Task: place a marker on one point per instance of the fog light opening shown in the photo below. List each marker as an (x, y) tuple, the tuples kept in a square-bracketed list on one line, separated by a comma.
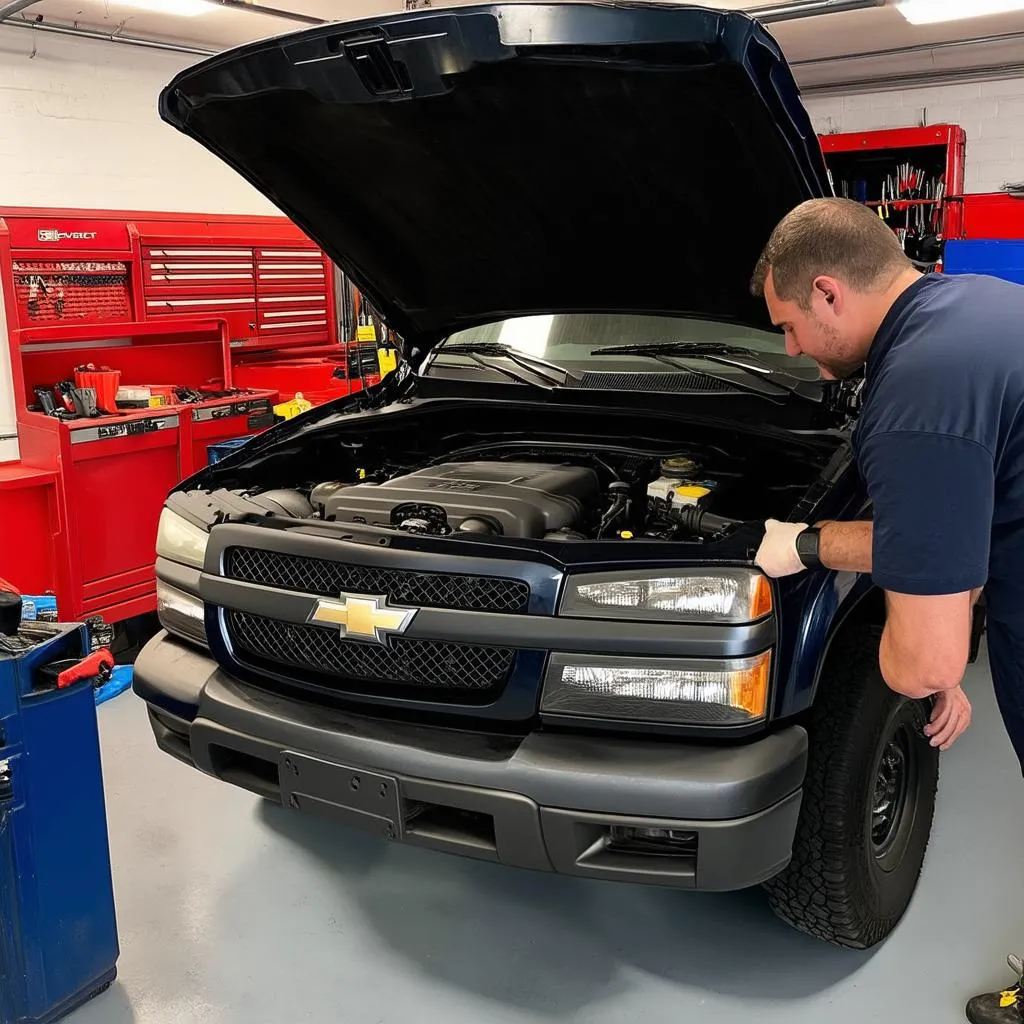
[(654, 842)]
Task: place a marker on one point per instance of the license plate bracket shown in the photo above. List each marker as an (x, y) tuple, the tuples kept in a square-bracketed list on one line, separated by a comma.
[(364, 799)]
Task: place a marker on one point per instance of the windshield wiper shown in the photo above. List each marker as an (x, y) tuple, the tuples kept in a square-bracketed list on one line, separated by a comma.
[(493, 348), (725, 355), (675, 348)]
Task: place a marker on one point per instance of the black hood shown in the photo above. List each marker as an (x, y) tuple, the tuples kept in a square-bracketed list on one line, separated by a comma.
[(475, 163)]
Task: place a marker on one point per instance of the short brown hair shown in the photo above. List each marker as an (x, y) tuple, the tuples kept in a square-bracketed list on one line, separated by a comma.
[(837, 237)]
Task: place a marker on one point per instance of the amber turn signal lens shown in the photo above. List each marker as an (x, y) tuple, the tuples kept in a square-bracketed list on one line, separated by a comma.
[(748, 686), (760, 597)]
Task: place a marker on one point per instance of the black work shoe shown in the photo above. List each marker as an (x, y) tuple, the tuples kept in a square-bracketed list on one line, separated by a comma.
[(1006, 1007)]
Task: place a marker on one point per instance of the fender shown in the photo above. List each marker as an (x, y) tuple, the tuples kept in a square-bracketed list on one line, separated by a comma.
[(821, 606)]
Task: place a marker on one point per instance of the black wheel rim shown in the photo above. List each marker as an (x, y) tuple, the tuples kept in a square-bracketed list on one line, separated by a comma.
[(893, 798)]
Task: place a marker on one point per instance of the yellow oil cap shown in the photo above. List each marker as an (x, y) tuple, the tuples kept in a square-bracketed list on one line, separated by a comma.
[(692, 491), (626, 534)]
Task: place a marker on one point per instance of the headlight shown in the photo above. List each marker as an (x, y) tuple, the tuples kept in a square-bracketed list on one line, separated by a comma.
[(707, 595), (180, 613), (730, 691), (181, 541)]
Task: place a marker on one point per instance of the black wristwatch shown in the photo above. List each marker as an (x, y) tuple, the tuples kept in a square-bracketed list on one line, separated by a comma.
[(807, 542)]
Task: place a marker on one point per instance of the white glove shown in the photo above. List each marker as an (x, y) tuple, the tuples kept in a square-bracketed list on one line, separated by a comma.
[(777, 554)]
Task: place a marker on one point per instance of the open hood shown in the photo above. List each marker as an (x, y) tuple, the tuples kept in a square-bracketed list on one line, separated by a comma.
[(473, 163)]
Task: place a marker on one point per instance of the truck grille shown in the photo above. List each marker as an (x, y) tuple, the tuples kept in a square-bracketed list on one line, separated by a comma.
[(402, 586), (432, 664)]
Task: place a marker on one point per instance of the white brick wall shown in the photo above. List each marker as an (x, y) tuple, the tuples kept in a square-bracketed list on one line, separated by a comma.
[(79, 128), (991, 113)]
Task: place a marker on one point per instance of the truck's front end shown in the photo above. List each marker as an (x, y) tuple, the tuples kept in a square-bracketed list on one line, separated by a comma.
[(551, 658)]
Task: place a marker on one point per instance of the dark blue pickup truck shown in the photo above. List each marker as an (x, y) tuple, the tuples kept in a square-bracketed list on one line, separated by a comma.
[(504, 604)]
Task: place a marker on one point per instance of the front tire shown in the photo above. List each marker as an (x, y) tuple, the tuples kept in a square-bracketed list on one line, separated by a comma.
[(868, 804)]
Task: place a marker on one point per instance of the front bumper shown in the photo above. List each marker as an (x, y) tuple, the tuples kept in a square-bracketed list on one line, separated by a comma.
[(548, 801)]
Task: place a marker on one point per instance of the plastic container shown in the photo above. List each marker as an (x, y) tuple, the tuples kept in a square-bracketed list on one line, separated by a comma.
[(222, 449), (105, 383)]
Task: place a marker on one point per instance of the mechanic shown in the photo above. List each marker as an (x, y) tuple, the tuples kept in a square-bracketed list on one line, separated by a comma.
[(940, 445)]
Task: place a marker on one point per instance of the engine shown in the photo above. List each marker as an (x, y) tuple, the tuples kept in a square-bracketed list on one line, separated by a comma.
[(547, 488), (542, 492), (498, 499)]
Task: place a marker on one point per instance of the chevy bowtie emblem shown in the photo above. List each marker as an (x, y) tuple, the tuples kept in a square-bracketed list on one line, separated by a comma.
[(362, 618)]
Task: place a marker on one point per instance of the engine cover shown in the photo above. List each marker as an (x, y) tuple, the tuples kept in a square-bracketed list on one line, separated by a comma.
[(511, 499)]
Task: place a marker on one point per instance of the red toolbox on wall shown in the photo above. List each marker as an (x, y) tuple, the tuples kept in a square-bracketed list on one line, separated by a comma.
[(870, 157)]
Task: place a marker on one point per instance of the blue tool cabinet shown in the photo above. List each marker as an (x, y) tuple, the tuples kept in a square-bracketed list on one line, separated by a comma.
[(996, 257), (58, 934)]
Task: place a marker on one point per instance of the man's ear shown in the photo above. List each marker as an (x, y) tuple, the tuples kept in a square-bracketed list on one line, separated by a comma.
[(828, 290)]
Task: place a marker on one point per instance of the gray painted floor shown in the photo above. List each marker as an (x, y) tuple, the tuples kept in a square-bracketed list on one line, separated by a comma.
[(235, 912)]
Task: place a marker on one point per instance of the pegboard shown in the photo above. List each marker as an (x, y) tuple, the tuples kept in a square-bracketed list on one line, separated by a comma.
[(71, 290)]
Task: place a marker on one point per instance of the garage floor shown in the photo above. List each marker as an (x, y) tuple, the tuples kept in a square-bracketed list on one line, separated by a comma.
[(237, 912)]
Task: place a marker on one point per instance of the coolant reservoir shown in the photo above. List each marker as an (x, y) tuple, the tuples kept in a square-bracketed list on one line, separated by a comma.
[(690, 494), (679, 493)]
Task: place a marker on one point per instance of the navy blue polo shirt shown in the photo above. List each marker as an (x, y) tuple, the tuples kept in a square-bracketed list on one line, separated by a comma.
[(940, 442)]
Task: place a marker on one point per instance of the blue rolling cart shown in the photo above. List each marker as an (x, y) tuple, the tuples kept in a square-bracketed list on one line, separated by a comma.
[(58, 933)]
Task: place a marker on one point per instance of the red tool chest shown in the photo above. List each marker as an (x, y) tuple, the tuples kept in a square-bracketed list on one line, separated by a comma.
[(169, 301)]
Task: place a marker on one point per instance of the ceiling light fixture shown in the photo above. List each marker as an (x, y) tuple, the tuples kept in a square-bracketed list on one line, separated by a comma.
[(182, 8), (929, 12)]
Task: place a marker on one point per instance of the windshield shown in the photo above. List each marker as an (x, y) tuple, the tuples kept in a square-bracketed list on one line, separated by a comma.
[(569, 339)]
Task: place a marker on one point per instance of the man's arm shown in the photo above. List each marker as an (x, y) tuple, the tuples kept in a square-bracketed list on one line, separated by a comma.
[(926, 642), (927, 547), (846, 546)]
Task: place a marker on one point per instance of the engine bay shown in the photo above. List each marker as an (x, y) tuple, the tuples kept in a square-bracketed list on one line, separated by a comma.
[(538, 492), (538, 500)]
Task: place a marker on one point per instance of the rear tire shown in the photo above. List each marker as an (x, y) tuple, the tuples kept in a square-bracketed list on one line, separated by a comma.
[(868, 804)]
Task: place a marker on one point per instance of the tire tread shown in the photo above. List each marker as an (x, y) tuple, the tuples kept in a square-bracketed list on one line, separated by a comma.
[(818, 892)]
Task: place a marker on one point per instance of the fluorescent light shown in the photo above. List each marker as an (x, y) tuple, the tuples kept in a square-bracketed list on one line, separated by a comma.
[(183, 8), (928, 12)]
